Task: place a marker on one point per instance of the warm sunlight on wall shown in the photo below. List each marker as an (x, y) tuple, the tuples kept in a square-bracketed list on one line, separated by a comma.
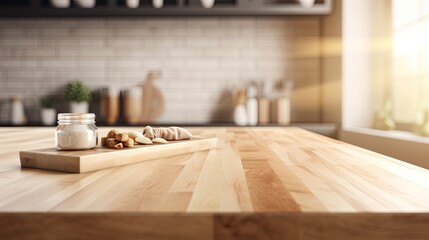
[(410, 83), (386, 60), (366, 60)]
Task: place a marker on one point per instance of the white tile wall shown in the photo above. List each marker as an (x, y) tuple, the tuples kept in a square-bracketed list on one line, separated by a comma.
[(201, 59)]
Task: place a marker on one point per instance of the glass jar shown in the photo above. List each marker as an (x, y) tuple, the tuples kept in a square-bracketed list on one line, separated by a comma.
[(76, 131)]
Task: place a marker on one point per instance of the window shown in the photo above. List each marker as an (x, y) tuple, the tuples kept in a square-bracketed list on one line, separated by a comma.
[(410, 35)]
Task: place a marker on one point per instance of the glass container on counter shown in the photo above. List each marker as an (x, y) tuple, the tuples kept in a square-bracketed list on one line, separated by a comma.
[(76, 131)]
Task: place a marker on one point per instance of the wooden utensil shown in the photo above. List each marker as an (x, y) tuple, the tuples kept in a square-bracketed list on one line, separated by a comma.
[(240, 112), (101, 158), (280, 110), (263, 110), (110, 105), (132, 105), (153, 101)]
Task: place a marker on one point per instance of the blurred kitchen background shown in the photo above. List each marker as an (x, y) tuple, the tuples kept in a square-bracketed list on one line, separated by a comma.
[(349, 69), (201, 61)]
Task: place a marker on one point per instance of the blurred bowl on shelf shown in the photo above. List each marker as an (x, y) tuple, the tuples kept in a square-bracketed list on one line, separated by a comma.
[(207, 3), (307, 3), (158, 3), (60, 3), (85, 3), (133, 3)]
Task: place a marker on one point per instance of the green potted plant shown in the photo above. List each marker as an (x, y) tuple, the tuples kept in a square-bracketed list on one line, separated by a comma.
[(48, 112), (78, 95)]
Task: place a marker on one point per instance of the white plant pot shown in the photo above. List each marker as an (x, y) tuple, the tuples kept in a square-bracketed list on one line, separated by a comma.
[(158, 3), (79, 107), (60, 3), (307, 3), (85, 3), (48, 116), (207, 3), (133, 3)]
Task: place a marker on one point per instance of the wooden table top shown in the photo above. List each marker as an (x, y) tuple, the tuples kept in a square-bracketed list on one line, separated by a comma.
[(253, 171)]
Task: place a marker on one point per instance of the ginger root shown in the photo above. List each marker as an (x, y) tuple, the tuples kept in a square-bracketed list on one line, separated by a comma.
[(170, 133)]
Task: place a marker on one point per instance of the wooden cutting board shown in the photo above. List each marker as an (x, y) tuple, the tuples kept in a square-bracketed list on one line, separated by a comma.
[(101, 158), (153, 101)]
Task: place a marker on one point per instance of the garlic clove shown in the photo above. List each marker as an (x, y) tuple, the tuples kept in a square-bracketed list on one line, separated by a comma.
[(143, 140), (135, 134), (159, 140)]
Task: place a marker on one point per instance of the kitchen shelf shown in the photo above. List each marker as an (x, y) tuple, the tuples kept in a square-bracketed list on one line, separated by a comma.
[(118, 8), (147, 4)]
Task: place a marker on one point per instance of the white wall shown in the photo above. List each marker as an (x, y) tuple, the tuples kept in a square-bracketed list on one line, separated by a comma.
[(356, 108), (331, 65), (366, 60)]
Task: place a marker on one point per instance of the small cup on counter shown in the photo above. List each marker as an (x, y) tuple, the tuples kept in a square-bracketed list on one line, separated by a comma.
[(17, 113)]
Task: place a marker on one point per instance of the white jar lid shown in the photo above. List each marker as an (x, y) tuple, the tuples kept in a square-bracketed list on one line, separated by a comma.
[(77, 118)]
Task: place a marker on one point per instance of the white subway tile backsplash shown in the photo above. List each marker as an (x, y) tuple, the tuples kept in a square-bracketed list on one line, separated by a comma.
[(124, 42), (162, 41), (201, 41), (221, 53), (201, 63), (151, 63), (10, 31), (55, 64), (201, 59), (18, 41), (92, 42), (90, 31), (57, 31), (18, 63), (209, 24)]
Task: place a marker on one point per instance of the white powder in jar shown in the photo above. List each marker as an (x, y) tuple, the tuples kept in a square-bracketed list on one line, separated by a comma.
[(75, 137)]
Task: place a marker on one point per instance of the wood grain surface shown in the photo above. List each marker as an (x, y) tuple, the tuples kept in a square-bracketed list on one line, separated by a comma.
[(101, 157), (261, 183)]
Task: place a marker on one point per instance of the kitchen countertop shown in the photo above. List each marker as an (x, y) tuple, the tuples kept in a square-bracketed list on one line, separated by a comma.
[(260, 183), (326, 129)]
